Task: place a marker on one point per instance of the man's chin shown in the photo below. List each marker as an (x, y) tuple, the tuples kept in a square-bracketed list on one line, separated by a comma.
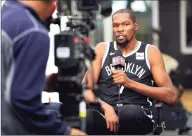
[(122, 43)]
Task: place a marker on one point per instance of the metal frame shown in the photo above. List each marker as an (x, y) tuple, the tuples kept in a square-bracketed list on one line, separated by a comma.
[(183, 34)]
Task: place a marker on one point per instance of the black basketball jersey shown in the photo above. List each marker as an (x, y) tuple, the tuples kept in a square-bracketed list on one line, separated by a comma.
[(137, 68)]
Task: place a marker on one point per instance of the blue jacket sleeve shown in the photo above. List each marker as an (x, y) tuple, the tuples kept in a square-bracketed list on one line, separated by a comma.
[(30, 56)]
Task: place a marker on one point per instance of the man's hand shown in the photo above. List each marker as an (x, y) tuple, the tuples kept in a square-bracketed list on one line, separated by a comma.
[(119, 77), (89, 96), (76, 132), (112, 120)]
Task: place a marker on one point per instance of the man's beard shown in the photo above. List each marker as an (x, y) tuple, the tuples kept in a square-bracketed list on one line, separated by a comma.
[(124, 43)]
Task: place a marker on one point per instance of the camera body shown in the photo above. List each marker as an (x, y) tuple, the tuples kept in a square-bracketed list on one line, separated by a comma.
[(73, 52), (73, 56), (64, 6)]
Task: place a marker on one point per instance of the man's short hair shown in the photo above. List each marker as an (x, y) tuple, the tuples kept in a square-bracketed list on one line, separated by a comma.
[(130, 12)]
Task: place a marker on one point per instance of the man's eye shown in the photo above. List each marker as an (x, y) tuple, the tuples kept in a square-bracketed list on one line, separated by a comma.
[(115, 25)]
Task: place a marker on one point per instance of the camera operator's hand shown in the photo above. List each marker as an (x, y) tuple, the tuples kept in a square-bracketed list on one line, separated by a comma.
[(112, 120), (51, 82), (76, 132)]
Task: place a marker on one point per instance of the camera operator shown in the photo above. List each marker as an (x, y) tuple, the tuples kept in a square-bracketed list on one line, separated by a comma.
[(27, 41)]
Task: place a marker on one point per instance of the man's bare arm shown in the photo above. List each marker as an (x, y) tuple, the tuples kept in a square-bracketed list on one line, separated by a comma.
[(93, 72), (165, 91), (92, 75)]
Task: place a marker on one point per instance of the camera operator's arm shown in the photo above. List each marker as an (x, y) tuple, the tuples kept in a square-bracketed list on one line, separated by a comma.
[(27, 85), (91, 78)]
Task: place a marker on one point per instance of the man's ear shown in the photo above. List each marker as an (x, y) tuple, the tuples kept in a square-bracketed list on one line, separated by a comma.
[(53, 7), (136, 25)]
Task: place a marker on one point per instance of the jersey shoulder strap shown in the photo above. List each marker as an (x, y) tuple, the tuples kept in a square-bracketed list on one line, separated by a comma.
[(143, 47)]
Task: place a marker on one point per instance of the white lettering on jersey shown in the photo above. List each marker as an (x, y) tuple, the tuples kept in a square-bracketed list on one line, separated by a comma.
[(108, 70), (129, 68), (141, 73), (137, 68)]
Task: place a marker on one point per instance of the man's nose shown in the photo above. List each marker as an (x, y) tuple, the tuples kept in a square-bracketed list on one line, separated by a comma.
[(120, 28)]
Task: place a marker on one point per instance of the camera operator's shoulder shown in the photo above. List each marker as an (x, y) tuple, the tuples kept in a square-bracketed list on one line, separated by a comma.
[(100, 48)]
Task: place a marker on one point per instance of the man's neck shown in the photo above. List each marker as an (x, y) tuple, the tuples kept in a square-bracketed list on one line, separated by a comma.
[(130, 46), (36, 6)]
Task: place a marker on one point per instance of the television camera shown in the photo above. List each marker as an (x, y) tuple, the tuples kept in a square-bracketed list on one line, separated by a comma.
[(73, 55)]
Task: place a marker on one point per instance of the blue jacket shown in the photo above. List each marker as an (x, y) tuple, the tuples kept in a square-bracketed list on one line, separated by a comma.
[(25, 78)]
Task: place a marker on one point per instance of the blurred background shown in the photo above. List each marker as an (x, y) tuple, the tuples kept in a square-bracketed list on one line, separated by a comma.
[(166, 24)]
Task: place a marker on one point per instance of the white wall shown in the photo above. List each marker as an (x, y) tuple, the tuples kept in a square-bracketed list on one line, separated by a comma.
[(51, 68), (2, 2)]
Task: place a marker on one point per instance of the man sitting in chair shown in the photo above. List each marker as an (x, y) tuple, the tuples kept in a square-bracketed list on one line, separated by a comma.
[(127, 112)]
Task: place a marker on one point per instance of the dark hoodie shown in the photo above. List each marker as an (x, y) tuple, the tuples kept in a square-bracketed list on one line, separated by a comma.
[(24, 74)]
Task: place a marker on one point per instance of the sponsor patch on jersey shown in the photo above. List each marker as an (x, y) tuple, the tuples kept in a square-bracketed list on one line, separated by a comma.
[(140, 56)]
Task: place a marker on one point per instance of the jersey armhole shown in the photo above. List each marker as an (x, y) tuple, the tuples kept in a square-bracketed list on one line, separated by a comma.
[(146, 56), (105, 54)]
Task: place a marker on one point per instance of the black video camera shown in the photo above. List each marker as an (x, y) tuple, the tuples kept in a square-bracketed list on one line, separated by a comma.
[(73, 56), (73, 53)]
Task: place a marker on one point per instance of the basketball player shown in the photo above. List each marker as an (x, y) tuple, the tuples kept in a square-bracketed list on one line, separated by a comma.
[(130, 112)]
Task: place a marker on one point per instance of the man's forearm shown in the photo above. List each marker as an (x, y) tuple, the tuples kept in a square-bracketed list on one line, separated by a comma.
[(103, 104), (88, 79), (165, 94)]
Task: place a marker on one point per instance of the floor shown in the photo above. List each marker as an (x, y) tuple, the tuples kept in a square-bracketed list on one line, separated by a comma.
[(186, 99)]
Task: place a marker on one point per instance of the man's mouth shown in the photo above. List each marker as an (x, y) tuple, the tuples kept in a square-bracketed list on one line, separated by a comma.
[(120, 37)]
